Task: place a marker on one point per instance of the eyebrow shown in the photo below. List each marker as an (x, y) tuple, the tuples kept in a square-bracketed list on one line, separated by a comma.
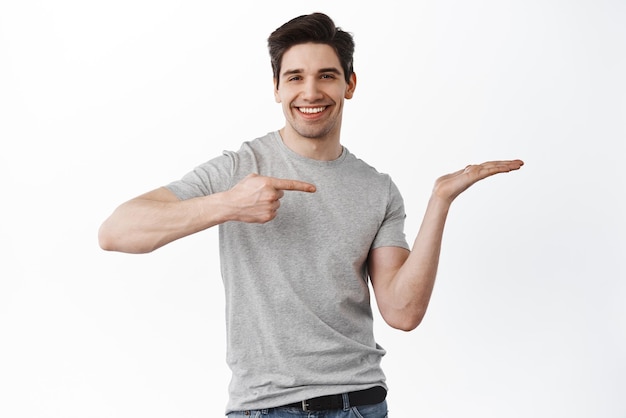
[(320, 71)]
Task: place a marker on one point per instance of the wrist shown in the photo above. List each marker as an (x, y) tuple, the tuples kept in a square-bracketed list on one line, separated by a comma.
[(215, 209), (439, 203)]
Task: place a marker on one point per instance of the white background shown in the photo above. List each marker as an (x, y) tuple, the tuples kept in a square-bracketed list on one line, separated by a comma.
[(102, 101)]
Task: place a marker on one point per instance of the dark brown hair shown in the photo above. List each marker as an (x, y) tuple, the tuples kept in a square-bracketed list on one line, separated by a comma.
[(317, 28)]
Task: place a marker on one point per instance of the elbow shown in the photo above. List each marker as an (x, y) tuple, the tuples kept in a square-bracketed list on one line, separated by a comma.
[(405, 322), (108, 240), (406, 326), (104, 239)]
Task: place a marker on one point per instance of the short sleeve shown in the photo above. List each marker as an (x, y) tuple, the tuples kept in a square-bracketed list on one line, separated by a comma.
[(391, 231), (213, 176)]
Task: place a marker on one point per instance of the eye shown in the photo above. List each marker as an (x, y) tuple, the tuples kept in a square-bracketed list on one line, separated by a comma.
[(294, 78), (327, 76)]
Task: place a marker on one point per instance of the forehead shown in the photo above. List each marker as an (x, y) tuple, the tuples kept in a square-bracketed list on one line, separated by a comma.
[(310, 57)]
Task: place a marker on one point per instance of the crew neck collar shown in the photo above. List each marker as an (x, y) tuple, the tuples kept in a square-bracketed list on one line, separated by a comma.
[(292, 154)]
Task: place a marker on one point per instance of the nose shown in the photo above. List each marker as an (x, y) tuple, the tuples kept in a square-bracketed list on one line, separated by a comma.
[(311, 91)]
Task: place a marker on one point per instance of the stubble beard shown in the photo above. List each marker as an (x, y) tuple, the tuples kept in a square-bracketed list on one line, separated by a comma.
[(314, 131)]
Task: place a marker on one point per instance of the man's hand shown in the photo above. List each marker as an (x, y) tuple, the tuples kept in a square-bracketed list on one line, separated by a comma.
[(257, 198), (448, 187)]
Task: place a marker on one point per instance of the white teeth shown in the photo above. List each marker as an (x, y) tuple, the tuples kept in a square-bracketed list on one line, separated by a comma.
[(311, 109)]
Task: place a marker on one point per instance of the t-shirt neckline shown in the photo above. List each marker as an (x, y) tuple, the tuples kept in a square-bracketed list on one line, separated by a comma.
[(292, 154)]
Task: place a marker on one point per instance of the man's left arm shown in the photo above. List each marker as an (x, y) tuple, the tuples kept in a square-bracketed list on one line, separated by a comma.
[(403, 281)]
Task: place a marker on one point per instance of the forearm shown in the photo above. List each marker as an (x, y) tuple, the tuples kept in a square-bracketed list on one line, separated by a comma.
[(142, 225), (419, 271), (411, 287)]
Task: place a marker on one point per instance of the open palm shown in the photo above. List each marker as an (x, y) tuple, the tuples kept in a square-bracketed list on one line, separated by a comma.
[(451, 185)]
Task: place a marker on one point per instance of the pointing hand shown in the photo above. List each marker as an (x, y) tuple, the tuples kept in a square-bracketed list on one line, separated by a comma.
[(256, 199)]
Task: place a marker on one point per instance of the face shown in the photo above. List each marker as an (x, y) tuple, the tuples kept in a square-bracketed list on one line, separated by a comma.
[(312, 89)]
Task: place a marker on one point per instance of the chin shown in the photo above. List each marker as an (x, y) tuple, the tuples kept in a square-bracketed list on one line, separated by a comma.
[(319, 133)]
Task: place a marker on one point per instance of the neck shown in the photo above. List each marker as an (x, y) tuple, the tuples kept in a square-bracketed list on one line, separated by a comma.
[(327, 148)]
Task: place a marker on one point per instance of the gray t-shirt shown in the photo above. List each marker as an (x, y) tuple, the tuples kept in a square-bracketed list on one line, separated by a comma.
[(298, 316)]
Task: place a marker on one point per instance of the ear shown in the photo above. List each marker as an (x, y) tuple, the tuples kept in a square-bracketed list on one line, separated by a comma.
[(351, 87), (276, 95)]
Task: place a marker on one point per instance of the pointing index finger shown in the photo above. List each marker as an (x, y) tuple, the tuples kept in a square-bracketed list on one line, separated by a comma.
[(294, 185)]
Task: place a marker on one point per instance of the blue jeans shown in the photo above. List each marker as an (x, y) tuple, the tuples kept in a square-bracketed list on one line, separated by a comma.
[(366, 411)]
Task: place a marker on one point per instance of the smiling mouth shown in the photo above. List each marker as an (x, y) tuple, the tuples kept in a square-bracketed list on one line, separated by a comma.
[(312, 110)]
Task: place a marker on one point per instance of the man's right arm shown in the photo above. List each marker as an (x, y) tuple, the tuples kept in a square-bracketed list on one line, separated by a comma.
[(156, 218)]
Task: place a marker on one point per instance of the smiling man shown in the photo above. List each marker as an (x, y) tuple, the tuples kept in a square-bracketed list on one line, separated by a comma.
[(305, 228), (312, 87)]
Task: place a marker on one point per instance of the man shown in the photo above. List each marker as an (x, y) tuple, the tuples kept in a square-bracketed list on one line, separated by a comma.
[(303, 225)]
